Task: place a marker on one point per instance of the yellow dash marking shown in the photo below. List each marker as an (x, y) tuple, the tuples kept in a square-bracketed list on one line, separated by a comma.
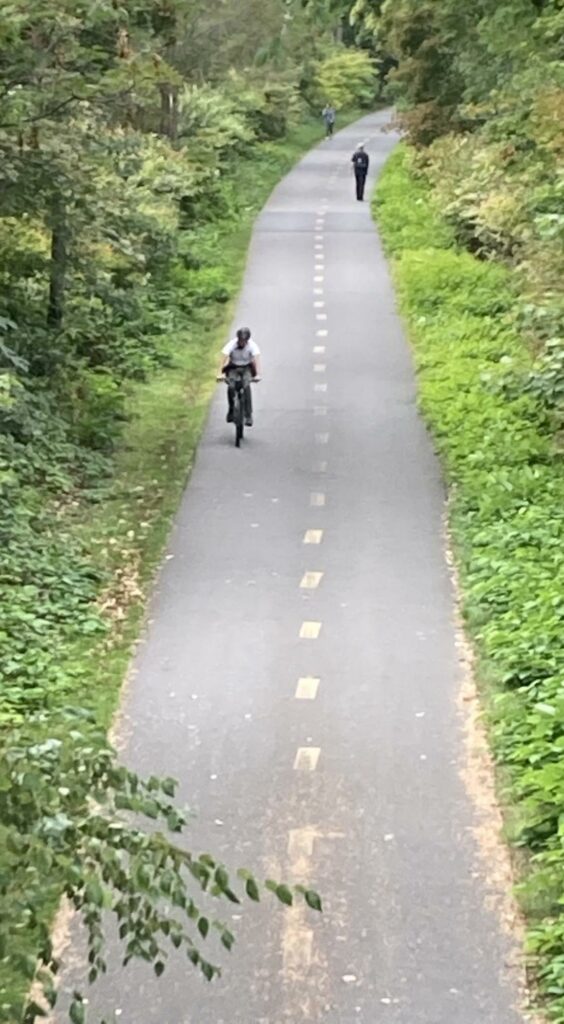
[(301, 840), (297, 951), (318, 291), (319, 350), (319, 304), (318, 278), (306, 759), (316, 499), (310, 630), (313, 536), (311, 580), (322, 438), (322, 333), (321, 316), (319, 367), (307, 690), (320, 387)]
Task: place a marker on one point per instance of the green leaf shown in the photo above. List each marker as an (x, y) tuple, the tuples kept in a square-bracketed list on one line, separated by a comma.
[(32, 1011), (207, 970), (77, 1012), (284, 894), (252, 890), (168, 787), (313, 900)]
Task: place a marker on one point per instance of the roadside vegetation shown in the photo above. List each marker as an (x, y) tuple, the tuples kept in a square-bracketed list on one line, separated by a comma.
[(137, 143), (471, 212)]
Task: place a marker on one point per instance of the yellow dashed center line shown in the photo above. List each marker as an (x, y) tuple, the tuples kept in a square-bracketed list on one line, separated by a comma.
[(307, 688), (313, 536), (311, 580), (297, 951), (306, 759), (310, 630)]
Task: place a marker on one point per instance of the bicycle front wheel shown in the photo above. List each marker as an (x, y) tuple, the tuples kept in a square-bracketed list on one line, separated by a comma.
[(239, 420)]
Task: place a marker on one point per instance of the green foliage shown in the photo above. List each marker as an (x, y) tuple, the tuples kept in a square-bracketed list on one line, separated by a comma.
[(409, 224), (71, 813), (506, 508), (480, 92), (346, 78)]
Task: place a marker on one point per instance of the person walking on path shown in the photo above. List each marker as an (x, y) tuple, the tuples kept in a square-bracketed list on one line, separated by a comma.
[(361, 163), (328, 115)]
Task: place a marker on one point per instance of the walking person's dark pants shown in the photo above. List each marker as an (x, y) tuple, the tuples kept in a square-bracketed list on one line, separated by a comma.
[(360, 183)]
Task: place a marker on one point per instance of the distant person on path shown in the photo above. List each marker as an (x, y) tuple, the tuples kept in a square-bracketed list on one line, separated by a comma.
[(361, 163), (328, 114)]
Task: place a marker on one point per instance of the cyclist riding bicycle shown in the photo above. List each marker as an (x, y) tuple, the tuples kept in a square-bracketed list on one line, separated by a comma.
[(241, 356)]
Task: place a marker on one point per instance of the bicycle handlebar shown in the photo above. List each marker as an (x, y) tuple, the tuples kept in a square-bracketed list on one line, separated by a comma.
[(223, 378)]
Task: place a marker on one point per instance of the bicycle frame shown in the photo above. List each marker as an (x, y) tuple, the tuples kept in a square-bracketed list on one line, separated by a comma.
[(236, 381)]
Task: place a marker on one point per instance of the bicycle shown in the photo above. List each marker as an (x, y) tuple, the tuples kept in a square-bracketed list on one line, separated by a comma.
[(237, 382)]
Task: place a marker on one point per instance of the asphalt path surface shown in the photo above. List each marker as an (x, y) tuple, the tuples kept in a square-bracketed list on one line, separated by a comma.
[(300, 674)]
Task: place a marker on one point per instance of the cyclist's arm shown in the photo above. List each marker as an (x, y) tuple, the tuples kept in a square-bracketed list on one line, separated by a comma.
[(225, 357)]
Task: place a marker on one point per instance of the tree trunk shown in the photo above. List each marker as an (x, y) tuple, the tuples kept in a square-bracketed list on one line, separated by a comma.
[(169, 111), (58, 267)]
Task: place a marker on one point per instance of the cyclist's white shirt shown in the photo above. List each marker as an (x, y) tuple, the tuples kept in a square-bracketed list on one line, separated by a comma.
[(241, 356)]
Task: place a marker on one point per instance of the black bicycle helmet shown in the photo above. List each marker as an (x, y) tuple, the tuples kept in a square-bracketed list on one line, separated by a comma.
[(243, 334)]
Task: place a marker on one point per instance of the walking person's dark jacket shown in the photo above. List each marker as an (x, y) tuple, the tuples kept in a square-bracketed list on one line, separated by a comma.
[(361, 163)]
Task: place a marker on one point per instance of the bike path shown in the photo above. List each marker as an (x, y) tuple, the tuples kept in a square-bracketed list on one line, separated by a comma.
[(299, 672)]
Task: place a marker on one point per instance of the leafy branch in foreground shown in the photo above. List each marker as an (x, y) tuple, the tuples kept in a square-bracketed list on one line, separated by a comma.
[(70, 812)]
